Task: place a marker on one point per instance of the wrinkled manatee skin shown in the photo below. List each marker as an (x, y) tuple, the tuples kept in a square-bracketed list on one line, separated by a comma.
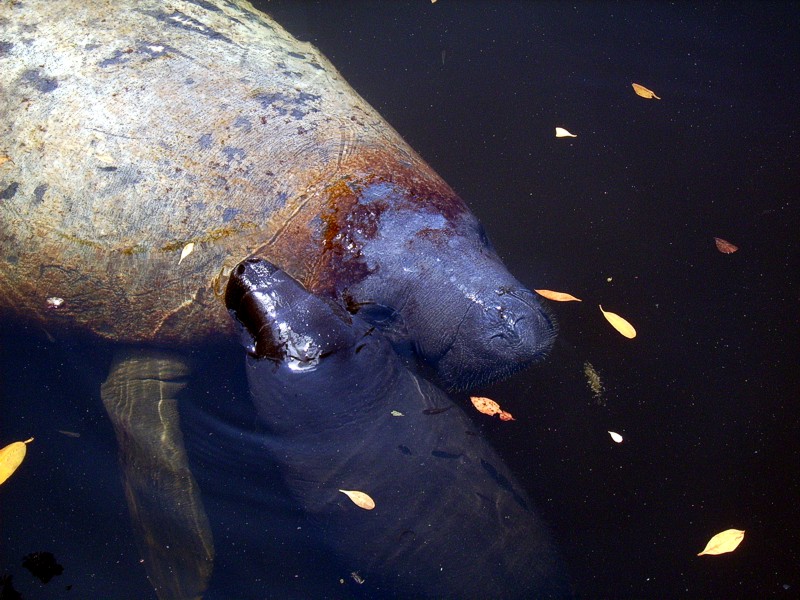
[(450, 520), (133, 128)]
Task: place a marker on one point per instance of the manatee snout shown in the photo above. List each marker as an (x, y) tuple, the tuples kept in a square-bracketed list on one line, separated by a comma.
[(499, 334)]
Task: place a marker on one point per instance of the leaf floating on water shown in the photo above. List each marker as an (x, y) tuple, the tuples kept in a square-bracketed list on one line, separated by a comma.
[(561, 132), (187, 250), (11, 457), (644, 92), (397, 413), (619, 323), (490, 407), (725, 541), (360, 499), (615, 436), (557, 296), (354, 574), (725, 246)]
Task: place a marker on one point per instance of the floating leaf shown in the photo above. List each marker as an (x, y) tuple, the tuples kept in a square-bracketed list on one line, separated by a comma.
[(615, 436), (557, 296), (11, 457), (561, 132), (397, 413), (490, 407), (725, 541), (725, 246), (360, 499), (187, 250), (619, 323), (354, 574), (644, 92)]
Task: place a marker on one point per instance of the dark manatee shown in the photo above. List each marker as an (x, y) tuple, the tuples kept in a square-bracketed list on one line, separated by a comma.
[(450, 521), (135, 128)]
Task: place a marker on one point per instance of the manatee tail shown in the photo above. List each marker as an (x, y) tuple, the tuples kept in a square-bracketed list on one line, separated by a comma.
[(169, 522)]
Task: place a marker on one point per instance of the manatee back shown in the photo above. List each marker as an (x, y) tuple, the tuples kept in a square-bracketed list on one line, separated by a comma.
[(132, 129)]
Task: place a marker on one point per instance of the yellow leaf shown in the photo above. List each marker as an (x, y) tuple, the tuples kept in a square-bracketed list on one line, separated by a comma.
[(490, 407), (615, 436), (187, 250), (557, 296), (360, 499), (644, 92), (11, 457), (561, 132), (397, 413), (726, 541), (619, 323)]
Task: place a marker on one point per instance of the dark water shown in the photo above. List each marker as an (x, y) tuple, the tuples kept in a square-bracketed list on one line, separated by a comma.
[(624, 215)]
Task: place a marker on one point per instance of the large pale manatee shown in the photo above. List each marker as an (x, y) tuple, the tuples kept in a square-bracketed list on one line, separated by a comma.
[(150, 147)]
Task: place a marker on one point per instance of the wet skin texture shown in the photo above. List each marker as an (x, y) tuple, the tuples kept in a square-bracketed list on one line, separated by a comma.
[(450, 520)]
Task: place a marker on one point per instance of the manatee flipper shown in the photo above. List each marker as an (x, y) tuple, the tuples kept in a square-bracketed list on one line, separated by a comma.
[(169, 522)]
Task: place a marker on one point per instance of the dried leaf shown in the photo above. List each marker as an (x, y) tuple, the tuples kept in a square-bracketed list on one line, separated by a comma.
[(619, 323), (557, 296), (561, 132), (360, 499), (644, 92), (615, 436), (725, 246), (490, 407), (187, 250), (397, 413), (4, 158), (725, 541), (11, 457)]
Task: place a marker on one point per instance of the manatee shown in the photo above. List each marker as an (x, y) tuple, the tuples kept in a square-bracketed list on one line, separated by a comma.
[(436, 484), (135, 132)]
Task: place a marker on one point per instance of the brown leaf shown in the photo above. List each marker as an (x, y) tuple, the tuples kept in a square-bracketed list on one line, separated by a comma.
[(557, 296), (644, 92), (725, 246), (725, 541)]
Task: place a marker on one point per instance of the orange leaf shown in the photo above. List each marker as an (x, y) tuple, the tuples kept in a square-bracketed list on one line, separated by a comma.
[(490, 407), (725, 541), (644, 92), (619, 324), (557, 296), (724, 246)]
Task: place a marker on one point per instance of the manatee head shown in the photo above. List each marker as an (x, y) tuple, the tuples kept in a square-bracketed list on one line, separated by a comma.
[(432, 279)]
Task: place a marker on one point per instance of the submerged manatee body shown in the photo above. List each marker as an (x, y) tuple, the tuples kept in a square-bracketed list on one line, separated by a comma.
[(133, 129), (450, 520)]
